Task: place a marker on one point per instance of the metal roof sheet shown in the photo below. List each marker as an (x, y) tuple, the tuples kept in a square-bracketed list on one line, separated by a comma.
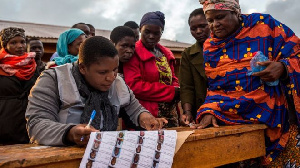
[(53, 32)]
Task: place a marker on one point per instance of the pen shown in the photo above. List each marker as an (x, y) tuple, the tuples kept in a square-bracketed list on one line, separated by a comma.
[(89, 124)]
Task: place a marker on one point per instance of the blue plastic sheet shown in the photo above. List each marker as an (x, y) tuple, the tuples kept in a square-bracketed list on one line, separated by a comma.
[(260, 57)]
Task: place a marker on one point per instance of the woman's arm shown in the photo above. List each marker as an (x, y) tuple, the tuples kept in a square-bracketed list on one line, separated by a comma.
[(42, 112)]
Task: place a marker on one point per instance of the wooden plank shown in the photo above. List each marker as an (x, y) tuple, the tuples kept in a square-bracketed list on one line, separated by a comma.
[(221, 131), (221, 150), (25, 155), (205, 148), (65, 164)]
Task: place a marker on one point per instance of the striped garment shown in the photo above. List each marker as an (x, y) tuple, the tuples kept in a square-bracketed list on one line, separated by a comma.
[(235, 98)]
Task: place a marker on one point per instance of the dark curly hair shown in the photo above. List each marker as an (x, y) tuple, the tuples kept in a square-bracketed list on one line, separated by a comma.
[(131, 24), (90, 26), (120, 32), (94, 48), (32, 39), (196, 12), (77, 24)]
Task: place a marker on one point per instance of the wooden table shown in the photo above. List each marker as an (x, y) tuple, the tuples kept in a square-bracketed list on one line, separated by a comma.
[(213, 147), (209, 147)]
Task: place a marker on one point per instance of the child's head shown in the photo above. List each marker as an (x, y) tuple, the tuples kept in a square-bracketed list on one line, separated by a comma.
[(135, 28), (35, 45), (124, 39), (98, 62)]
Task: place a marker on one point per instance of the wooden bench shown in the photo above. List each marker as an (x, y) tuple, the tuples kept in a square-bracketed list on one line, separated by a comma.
[(209, 147)]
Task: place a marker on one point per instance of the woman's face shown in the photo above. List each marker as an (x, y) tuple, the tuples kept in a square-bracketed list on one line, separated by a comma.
[(150, 35), (222, 23), (16, 46), (138, 149), (93, 154), (121, 135), (199, 28), (96, 145), (136, 158), (157, 155), (140, 140), (117, 151), (113, 161), (98, 136), (126, 48), (101, 74), (73, 48), (89, 164), (158, 146)]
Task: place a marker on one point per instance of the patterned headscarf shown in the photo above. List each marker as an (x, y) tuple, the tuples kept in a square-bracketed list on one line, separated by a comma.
[(154, 18), (231, 5), (9, 33)]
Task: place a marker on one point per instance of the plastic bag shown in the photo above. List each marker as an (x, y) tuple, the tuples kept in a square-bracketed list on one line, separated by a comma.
[(259, 57)]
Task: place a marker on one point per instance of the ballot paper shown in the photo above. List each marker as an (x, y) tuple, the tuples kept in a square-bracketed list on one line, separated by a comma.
[(132, 149)]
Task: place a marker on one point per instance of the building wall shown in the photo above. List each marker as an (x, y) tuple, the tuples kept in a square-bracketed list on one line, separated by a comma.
[(177, 55), (49, 49)]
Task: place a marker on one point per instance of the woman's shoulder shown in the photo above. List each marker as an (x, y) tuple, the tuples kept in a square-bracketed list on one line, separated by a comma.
[(250, 20), (122, 90), (141, 52)]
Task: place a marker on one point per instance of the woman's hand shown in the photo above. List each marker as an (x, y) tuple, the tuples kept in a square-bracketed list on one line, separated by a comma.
[(273, 71), (205, 121), (186, 119), (80, 135), (149, 122), (49, 64)]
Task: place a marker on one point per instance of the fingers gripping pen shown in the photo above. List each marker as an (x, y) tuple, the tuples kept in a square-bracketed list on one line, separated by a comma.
[(90, 122)]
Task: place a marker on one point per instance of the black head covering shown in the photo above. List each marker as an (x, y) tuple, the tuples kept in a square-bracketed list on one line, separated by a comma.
[(154, 18)]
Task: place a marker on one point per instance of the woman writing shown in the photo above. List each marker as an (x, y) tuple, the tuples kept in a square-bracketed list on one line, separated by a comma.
[(150, 71), (234, 97), (17, 76)]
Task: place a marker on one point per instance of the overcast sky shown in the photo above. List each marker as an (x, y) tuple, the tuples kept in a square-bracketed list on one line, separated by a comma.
[(107, 14)]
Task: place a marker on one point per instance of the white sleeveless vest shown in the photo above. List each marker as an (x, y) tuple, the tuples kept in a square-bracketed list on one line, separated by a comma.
[(72, 104)]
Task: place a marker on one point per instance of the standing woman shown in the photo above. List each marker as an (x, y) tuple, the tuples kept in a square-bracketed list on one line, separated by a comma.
[(17, 76), (67, 47), (236, 97), (124, 40), (150, 72)]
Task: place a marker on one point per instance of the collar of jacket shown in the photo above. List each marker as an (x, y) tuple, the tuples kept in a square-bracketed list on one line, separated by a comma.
[(145, 54), (196, 48)]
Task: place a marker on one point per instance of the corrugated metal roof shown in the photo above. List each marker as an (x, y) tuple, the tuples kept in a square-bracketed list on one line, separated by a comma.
[(53, 32)]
